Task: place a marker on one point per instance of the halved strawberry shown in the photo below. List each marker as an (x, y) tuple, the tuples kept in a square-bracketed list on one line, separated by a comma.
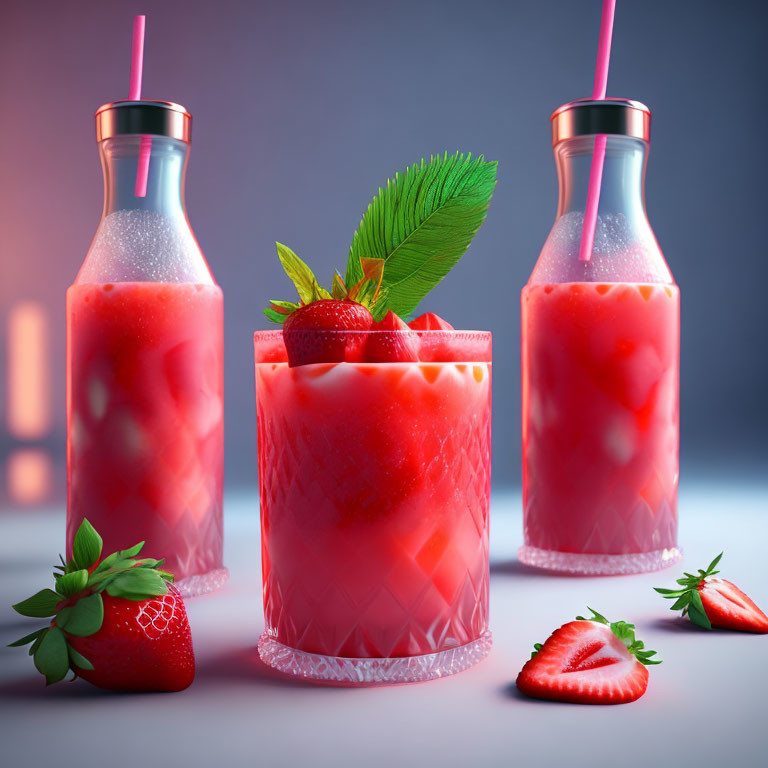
[(429, 321), (306, 337), (711, 602), (392, 341), (588, 661), (115, 622)]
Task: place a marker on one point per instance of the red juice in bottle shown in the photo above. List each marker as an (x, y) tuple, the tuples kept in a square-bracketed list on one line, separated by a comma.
[(600, 365), (144, 361)]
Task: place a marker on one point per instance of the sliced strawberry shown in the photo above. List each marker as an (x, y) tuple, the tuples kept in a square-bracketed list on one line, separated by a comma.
[(588, 662), (391, 342), (429, 321), (711, 602), (728, 607), (315, 333)]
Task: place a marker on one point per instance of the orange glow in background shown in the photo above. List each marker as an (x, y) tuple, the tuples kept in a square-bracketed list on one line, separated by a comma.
[(28, 401), (28, 392), (28, 475)]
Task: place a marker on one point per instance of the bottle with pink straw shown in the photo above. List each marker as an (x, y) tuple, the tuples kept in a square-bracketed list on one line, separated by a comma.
[(600, 354), (144, 353)]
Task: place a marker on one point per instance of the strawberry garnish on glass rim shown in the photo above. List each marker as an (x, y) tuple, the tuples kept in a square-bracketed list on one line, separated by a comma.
[(116, 622), (412, 234), (588, 661), (710, 602)]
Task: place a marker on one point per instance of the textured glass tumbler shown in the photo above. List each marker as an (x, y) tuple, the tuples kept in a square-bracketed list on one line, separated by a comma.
[(374, 483)]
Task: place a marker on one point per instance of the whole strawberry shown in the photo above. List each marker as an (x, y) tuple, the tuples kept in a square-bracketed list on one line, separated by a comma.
[(711, 602), (118, 622), (588, 661)]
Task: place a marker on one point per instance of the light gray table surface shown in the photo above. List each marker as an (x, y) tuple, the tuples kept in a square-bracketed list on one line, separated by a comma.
[(706, 705)]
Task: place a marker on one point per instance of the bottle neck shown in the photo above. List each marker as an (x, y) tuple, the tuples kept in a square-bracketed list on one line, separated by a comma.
[(165, 182), (623, 180), (144, 239), (625, 248)]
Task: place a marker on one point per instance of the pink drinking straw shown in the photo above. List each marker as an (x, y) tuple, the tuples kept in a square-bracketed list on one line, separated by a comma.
[(598, 156), (137, 68)]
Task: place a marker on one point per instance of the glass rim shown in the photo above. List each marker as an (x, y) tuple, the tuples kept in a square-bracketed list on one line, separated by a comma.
[(456, 333), (458, 346)]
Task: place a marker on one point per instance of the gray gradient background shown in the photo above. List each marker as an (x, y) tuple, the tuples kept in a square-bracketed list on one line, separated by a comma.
[(302, 109)]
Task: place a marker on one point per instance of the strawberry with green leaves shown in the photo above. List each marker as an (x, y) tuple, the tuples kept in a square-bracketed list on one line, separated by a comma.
[(588, 661), (118, 622), (710, 602), (413, 233)]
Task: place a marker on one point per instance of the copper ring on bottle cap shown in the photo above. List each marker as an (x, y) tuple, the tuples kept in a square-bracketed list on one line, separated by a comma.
[(157, 118), (588, 117)]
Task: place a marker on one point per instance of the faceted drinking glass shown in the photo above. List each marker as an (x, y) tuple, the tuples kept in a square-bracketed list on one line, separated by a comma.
[(374, 482)]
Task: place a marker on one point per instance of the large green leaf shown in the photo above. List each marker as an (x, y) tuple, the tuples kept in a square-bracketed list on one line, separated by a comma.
[(421, 224)]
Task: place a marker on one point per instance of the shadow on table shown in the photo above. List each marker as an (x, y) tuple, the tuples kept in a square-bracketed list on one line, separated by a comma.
[(683, 625), (511, 691), (516, 568), (244, 666), (34, 687)]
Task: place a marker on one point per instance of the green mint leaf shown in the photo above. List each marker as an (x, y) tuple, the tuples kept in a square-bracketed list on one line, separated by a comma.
[(51, 657), (598, 617), (301, 275), (137, 584), (279, 310), (713, 565), (86, 548), (105, 564), (28, 638), (421, 224), (644, 657), (275, 317), (379, 307), (338, 288), (681, 602), (40, 605), (125, 554), (167, 575), (71, 583), (33, 648), (77, 659), (84, 618), (318, 292), (696, 612)]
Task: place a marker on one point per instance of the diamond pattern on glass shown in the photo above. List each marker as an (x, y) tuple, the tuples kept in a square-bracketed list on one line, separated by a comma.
[(374, 524)]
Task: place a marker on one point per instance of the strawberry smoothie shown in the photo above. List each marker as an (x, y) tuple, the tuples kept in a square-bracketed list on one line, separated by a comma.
[(600, 368), (374, 482), (144, 368)]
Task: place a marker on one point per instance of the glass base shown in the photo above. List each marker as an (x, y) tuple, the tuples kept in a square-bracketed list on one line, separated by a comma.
[(203, 583), (404, 669), (599, 565)]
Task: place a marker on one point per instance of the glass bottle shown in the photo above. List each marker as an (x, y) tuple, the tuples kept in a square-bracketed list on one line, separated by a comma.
[(600, 364), (145, 360)]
